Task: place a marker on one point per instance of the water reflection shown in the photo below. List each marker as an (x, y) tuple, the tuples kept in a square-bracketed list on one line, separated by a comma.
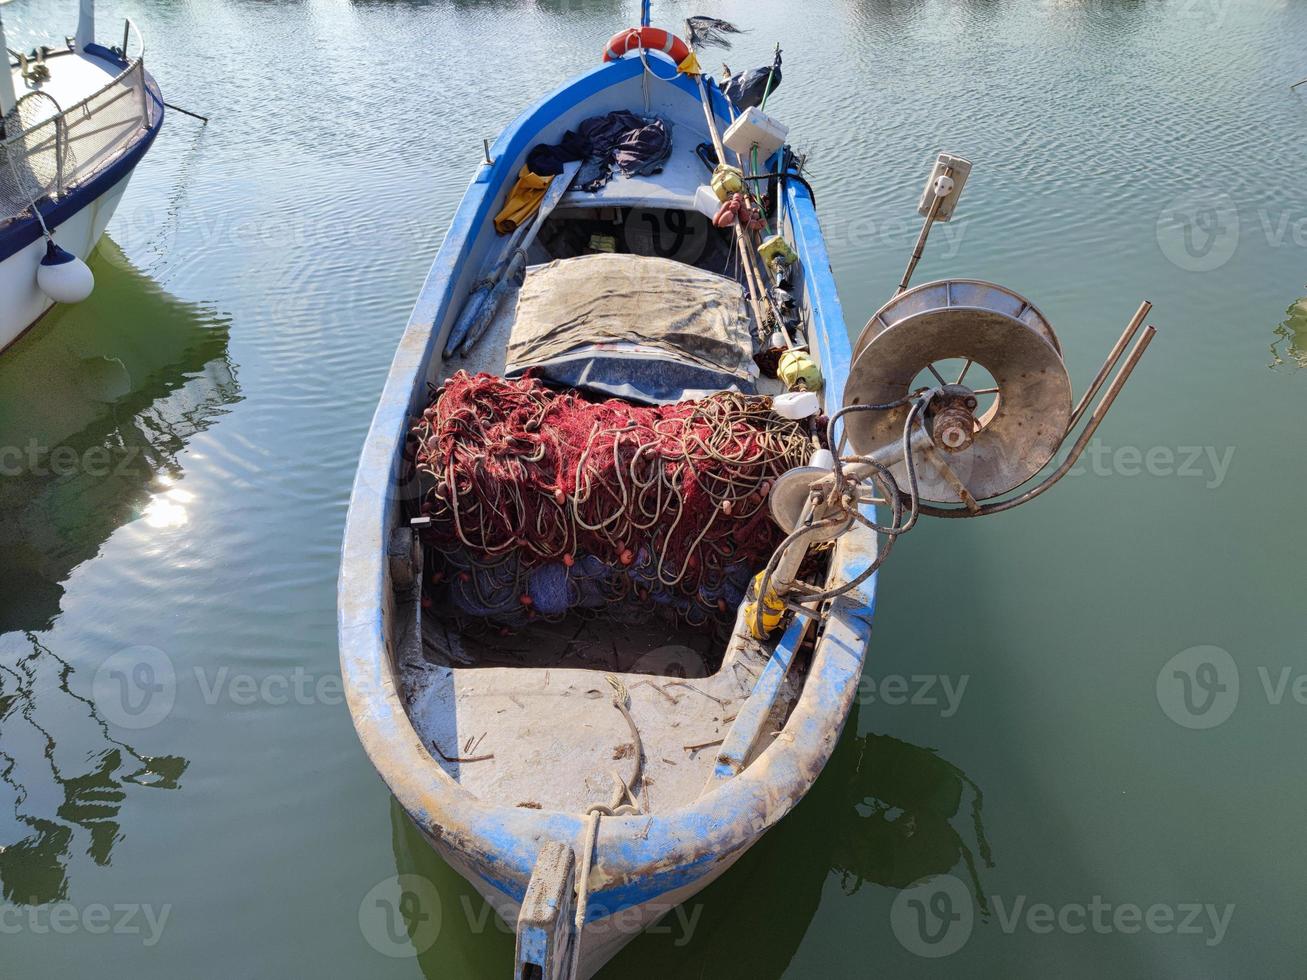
[(95, 404), (62, 774), (1290, 345), (595, 9), (915, 812), (884, 812)]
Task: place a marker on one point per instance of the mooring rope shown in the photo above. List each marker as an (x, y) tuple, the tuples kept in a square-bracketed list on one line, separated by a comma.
[(623, 803)]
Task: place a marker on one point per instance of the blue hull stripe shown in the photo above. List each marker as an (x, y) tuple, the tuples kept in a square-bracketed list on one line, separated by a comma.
[(17, 235)]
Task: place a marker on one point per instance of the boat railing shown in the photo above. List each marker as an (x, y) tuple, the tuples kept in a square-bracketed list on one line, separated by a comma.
[(55, 149)]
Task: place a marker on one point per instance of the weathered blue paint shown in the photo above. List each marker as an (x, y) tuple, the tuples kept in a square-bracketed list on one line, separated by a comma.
[(744, 732), (645, 857), (533, 946), (832, 337)]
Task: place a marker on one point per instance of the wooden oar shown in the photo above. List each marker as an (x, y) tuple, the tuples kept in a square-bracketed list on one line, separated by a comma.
[(482, 305)]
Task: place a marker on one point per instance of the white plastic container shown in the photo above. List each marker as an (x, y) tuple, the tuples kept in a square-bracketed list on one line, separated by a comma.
[(755, 127), (947, 178), (795, 405)]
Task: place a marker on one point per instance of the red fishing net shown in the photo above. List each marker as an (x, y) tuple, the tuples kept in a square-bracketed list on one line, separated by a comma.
[(532, 493)]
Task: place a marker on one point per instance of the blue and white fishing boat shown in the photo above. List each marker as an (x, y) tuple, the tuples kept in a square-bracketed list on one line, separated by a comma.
[(78, 117), (584, 769)]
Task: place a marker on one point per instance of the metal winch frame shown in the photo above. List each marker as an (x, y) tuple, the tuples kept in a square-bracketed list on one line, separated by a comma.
[(930, 448)]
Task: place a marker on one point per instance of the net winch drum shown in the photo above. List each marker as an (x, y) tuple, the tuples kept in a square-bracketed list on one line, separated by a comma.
[(917, 434), (977, 323)]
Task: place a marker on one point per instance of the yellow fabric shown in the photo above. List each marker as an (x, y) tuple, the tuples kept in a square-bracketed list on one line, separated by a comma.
[(523, 200), (773, 610), (727, 180), (797, 367), (690, 66)]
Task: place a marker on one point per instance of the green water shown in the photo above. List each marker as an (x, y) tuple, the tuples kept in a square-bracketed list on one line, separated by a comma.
[(180, 450)]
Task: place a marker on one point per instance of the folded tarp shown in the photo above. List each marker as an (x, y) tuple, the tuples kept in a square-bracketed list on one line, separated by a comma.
[(643, 328)]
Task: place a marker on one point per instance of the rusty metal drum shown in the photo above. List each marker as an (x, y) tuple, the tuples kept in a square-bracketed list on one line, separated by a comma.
[(969, 323)]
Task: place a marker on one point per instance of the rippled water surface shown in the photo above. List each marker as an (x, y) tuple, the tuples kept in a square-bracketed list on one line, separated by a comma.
[(185, 443)]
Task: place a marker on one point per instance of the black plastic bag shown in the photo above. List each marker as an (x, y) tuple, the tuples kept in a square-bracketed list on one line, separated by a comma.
[(746, 89)]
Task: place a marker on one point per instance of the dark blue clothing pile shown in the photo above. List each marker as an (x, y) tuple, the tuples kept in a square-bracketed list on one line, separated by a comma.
[(620, 142)]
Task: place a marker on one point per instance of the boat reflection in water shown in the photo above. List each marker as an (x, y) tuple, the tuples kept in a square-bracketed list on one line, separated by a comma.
[(884, 812), (910, 807), (62, 774), (91, 414), (1290, 344)]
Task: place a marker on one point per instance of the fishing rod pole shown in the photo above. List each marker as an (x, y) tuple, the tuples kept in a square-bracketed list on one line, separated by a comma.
[(755, 287)]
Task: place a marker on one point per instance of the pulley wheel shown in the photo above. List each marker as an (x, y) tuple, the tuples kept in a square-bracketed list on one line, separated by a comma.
[(1014, 437), (789, 494)]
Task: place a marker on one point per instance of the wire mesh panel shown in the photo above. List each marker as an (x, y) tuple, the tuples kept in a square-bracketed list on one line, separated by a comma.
[(34, 159), (104, 125), (46, 153)]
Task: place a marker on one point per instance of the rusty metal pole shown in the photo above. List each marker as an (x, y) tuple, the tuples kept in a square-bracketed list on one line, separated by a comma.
[(1113, 356), (920, 247)]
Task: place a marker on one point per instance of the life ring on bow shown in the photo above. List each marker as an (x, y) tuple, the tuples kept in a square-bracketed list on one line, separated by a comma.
[(649, 38)]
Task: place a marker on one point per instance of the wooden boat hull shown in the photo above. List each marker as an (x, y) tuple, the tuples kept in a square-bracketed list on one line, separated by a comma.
[(643, 865), (605, 935)]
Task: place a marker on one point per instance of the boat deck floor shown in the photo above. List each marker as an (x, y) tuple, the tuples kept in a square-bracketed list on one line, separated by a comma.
[(638, 644), (530, 720), (675, 186)]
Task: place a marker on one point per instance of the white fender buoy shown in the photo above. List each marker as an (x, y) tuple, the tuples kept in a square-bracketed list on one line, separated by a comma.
[(63, 276)]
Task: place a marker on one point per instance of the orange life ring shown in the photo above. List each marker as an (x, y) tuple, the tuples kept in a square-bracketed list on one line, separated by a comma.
[(649, 38)]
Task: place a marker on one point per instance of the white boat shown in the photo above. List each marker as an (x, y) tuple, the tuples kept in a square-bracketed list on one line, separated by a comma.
[(78, 117)]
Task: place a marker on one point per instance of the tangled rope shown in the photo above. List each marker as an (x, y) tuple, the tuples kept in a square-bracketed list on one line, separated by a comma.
[(540, 502)]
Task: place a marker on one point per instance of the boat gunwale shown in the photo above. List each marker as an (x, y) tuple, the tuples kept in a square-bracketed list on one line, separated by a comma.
[(643, 856), (20, 231)]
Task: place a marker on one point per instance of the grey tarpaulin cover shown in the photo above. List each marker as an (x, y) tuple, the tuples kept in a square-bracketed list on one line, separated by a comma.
[(644, 328)]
